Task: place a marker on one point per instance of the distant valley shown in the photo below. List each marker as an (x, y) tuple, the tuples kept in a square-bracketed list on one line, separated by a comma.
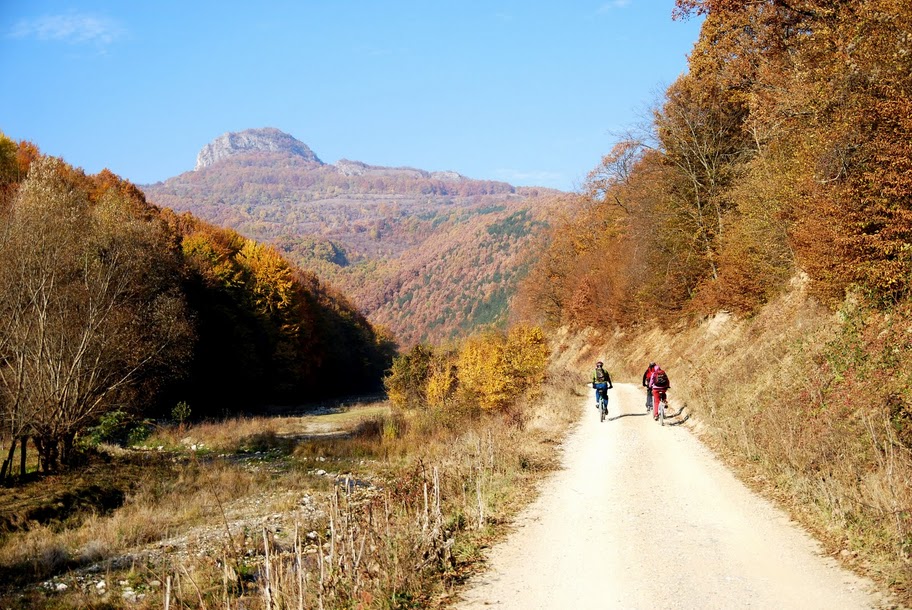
[(429, 255)]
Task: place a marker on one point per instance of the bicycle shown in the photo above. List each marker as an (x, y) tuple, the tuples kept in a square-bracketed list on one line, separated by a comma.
[(601, 396), (663, 402)]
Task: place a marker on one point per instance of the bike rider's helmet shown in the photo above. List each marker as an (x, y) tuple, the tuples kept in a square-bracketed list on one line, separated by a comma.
[(652, 365), (598, 364)]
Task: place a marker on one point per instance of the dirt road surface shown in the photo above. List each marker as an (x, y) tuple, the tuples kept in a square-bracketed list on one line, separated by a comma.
[(644, 516)]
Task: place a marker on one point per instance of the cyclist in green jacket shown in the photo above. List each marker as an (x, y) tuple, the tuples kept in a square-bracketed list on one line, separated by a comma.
[(601, 381)]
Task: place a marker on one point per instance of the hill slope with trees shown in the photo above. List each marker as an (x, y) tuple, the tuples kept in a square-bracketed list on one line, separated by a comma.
[(756, 239), (451, 248), (109, 303), (785, 146)]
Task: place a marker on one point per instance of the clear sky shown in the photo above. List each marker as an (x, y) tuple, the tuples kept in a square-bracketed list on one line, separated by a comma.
[(525, 91)]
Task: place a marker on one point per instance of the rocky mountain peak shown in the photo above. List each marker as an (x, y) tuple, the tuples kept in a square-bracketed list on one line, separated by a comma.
[(267, 139)]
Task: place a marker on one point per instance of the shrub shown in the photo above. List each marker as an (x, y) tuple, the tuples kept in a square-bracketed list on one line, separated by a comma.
[(406, 381), (181, 412), (113, 428)]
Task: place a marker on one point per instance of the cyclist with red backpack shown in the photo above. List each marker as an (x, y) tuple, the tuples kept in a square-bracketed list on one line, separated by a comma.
[(647, 380), (660, 384)]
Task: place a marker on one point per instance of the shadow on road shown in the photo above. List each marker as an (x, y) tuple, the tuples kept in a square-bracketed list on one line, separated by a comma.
[(626, 415), (678, 422), (674, 416), (668, 416)]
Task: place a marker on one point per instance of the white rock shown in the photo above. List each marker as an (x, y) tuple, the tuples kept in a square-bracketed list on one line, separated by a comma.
[(61, 587), (101, 585)]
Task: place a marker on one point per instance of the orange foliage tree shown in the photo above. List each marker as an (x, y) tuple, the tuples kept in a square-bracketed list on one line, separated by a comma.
[(785, 147)]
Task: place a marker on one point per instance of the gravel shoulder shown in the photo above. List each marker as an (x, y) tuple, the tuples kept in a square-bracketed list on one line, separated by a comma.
[(644, 516)]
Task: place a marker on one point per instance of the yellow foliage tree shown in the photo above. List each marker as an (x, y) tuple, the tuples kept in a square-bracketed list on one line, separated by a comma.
[(273, 282), (441, 383), (526, 355), (483, 374), (8, 167), (487, 371), (212, 260)]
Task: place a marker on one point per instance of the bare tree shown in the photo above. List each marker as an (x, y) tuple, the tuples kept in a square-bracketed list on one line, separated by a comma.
[(91, 307), (607, 181), (701, 136)]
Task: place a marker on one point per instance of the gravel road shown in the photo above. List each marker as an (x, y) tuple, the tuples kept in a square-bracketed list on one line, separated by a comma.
[(644, 516)]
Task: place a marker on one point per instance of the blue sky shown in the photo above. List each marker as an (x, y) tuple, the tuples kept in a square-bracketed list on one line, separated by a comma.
[(527, 92)]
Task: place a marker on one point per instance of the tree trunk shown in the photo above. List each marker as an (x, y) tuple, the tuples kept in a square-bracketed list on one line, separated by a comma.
[(8, 462), (66, 454), (23, 442), (43, 446)]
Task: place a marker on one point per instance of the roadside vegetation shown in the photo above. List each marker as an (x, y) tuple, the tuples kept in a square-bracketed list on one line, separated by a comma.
[(755, 237), (386, 505)]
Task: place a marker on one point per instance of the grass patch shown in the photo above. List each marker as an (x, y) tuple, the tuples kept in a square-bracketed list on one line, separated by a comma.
[(358, 508)]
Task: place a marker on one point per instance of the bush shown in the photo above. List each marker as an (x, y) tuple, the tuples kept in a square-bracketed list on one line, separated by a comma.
[(181, 412), (408, 376), (113, 428)]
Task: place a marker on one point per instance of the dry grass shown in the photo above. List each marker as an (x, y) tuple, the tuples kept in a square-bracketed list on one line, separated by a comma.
[(426, 492), (246, 434)]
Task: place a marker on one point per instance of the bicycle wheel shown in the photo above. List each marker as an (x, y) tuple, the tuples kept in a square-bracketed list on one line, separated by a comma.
[(662, 412), (603, 409)]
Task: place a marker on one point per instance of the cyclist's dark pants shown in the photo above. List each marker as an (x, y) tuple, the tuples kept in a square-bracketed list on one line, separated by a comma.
[(599, 393)]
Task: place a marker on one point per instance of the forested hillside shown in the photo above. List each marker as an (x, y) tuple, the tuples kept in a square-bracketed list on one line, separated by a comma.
[(786, 146), (109, 303), (429, 255), (756, 238)]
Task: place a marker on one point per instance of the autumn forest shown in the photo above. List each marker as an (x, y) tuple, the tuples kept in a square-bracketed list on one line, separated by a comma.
[(113, 303), (784, 148), (771, 185)]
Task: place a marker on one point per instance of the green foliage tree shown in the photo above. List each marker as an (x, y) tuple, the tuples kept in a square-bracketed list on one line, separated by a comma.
[(408, 376)]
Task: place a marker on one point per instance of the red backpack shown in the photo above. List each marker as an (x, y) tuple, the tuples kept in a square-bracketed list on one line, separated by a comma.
[(660, 380)]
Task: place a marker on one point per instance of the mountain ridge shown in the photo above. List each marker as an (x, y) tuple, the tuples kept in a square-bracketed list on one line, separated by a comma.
[(265, 139), (429, 255), (271, 140)]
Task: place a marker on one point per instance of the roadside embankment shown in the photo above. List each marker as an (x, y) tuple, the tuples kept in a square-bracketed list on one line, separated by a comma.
[(811, 408)]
